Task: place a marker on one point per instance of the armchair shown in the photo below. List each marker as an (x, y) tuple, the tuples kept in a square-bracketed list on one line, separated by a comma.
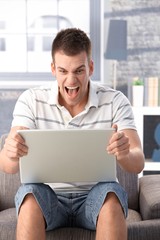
[(143, 220)]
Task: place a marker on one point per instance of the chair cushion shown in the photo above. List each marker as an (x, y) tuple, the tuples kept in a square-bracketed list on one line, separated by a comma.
[(8, 215), (71, 233), (148, 230), (133, 216), (8, 224), (150, 197)]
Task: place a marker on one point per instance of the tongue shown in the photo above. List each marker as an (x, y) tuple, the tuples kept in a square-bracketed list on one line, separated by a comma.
[(72, 92)]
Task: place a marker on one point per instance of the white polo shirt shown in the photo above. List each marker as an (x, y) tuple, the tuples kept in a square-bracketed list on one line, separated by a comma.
[(38, 108)]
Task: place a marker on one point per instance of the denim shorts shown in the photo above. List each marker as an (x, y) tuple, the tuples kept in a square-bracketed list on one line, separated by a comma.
[(71, 209)]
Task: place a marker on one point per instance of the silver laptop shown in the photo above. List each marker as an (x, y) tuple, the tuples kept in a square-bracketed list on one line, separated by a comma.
[(67, 156)]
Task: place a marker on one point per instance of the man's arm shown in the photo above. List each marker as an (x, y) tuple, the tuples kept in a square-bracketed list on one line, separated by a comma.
[(126, 146), (13, 149)]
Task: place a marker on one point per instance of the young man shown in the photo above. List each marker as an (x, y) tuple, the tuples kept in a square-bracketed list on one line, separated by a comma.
[(73, 101)]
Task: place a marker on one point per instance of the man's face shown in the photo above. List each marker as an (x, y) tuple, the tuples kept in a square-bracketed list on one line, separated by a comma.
[(72, 74)]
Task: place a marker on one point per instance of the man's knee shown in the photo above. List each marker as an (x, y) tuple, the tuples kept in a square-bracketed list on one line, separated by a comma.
[(29, 204), (111, 205)]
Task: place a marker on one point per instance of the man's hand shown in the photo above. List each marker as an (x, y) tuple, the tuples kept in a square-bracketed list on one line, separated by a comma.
[(126, 146), (119, 144), (14, 146)]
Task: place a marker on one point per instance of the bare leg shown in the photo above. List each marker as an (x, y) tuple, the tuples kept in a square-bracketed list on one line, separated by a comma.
[(31, 224), (111, 224)]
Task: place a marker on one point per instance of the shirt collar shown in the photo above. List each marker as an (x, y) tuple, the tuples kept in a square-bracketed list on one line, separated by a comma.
[(92, 98), (53, 95)]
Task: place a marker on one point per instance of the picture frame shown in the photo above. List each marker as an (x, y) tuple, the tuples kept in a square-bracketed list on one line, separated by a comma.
[(147, 120)]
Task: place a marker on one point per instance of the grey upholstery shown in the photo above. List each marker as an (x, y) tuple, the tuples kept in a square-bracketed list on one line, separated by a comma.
[(150, 198), (143, 220)]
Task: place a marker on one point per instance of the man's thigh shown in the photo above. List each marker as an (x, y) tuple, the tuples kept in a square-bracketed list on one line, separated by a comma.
[(54, 213), (88, 213)]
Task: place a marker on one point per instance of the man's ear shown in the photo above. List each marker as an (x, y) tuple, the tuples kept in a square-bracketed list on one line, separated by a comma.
[(53, 70), (91, 67)]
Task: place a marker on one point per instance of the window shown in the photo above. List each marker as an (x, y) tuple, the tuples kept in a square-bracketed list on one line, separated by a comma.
[(27, 28)]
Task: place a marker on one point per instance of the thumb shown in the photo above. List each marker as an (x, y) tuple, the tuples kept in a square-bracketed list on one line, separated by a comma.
[(115, 127)]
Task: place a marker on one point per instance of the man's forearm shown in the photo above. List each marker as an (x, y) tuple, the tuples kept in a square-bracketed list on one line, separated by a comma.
[(133, 162), (7, 165)]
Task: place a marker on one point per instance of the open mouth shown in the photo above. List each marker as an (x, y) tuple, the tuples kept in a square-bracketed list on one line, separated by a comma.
[(72, 91)]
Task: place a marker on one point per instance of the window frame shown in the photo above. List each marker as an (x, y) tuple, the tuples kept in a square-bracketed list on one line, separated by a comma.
[(29, 79)]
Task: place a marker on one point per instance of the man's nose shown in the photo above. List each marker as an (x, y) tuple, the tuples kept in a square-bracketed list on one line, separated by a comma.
[(72, 77)]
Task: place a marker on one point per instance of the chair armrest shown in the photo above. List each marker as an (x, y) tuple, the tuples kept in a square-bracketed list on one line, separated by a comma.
[(9, 184), (149, 196)]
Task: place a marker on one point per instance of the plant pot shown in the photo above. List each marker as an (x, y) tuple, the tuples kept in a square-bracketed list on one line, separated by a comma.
[(137, 95)]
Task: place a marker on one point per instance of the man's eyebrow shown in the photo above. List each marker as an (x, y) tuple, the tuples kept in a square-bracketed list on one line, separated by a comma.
[(82, 66), (61, 67)]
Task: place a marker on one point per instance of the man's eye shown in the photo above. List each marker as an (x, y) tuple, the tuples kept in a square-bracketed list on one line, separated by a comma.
[(62, 71), (79, 71)]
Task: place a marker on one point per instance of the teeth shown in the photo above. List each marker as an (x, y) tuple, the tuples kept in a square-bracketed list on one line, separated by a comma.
[(72, 88), (72, 91)]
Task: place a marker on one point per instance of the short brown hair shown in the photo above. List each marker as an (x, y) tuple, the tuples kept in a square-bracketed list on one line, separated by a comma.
[(71, 41)]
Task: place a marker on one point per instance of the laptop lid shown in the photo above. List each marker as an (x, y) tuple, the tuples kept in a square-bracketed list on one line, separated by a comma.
[(67, 156)]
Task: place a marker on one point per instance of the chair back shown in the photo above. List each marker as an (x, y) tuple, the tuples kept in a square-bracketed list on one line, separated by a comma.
[(129, 181)]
